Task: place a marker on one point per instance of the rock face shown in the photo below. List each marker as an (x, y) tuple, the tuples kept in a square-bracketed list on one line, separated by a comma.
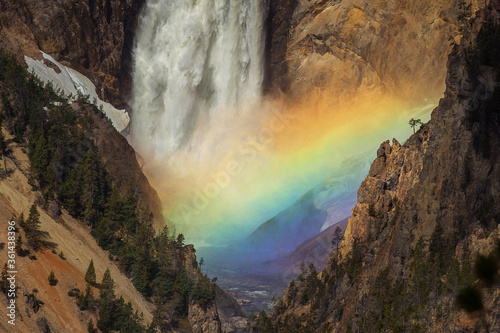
[(92, 36), (121, 163), (279, 23), (204, 320), (357, 45), (425, 211)]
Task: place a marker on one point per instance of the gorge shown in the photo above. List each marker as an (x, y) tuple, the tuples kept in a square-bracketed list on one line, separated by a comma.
[(227, 151), (253, 124)]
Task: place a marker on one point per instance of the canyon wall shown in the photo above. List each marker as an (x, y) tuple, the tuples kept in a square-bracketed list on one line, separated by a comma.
[(425, 220), (94, 37), (353, 46)]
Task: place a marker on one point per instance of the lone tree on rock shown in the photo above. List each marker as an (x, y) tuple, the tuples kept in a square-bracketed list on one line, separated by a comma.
[(414, 123)]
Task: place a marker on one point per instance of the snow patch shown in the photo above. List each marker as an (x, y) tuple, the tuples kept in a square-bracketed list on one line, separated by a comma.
[(72, 82)]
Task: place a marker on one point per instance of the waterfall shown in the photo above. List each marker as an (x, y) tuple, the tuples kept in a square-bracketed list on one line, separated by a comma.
[(193, 59)]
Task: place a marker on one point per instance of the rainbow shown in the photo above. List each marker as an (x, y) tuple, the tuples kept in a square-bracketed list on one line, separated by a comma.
[(247, 170)]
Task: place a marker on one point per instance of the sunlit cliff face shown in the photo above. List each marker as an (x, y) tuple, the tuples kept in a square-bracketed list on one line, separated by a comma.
[(225, 159)]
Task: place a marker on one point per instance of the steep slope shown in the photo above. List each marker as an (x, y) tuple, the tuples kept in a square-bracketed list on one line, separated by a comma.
[(287, 230), (425, 212), (122, 164), (315, 251), (68, 236), (71, 158)]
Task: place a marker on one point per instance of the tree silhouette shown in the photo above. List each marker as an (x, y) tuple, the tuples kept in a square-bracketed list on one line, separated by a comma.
[(337, 238), (90, 274), (414, 123), (32, 228), (52, 279)]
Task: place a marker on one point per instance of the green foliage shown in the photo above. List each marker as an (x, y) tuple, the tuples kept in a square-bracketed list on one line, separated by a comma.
[(312, 284), (90, 276), (32, 228), (52, 279), (61, 255), (66, 166), (182, 290), (19, 248), (204, 292), (180, 241), (117, 315), (338, 237), (86, 301), (90, 327), (355, 260), (75, 292), (303, 272), (261, 323)]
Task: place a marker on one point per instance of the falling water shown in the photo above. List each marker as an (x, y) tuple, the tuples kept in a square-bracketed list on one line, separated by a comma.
[(193, 60)]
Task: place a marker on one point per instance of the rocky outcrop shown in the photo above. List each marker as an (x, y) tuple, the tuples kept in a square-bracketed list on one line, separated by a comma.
[(223, 314), (92, 36), (356, 45), (204, 320), (425, 212)]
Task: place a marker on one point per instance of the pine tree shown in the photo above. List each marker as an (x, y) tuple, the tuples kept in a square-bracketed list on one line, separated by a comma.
[(22, 222), (90, 274), (19, 247), (90, 327), (86, 300), (180, 241), (32, 228), (52, 279), (107, 306), (337, 238), (202, 262), (107, 285)]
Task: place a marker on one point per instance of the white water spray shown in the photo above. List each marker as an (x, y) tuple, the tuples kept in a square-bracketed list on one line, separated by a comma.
[(193, 60)]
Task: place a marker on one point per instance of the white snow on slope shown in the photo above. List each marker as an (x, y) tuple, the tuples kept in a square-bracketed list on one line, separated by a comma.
[(72, 82)]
